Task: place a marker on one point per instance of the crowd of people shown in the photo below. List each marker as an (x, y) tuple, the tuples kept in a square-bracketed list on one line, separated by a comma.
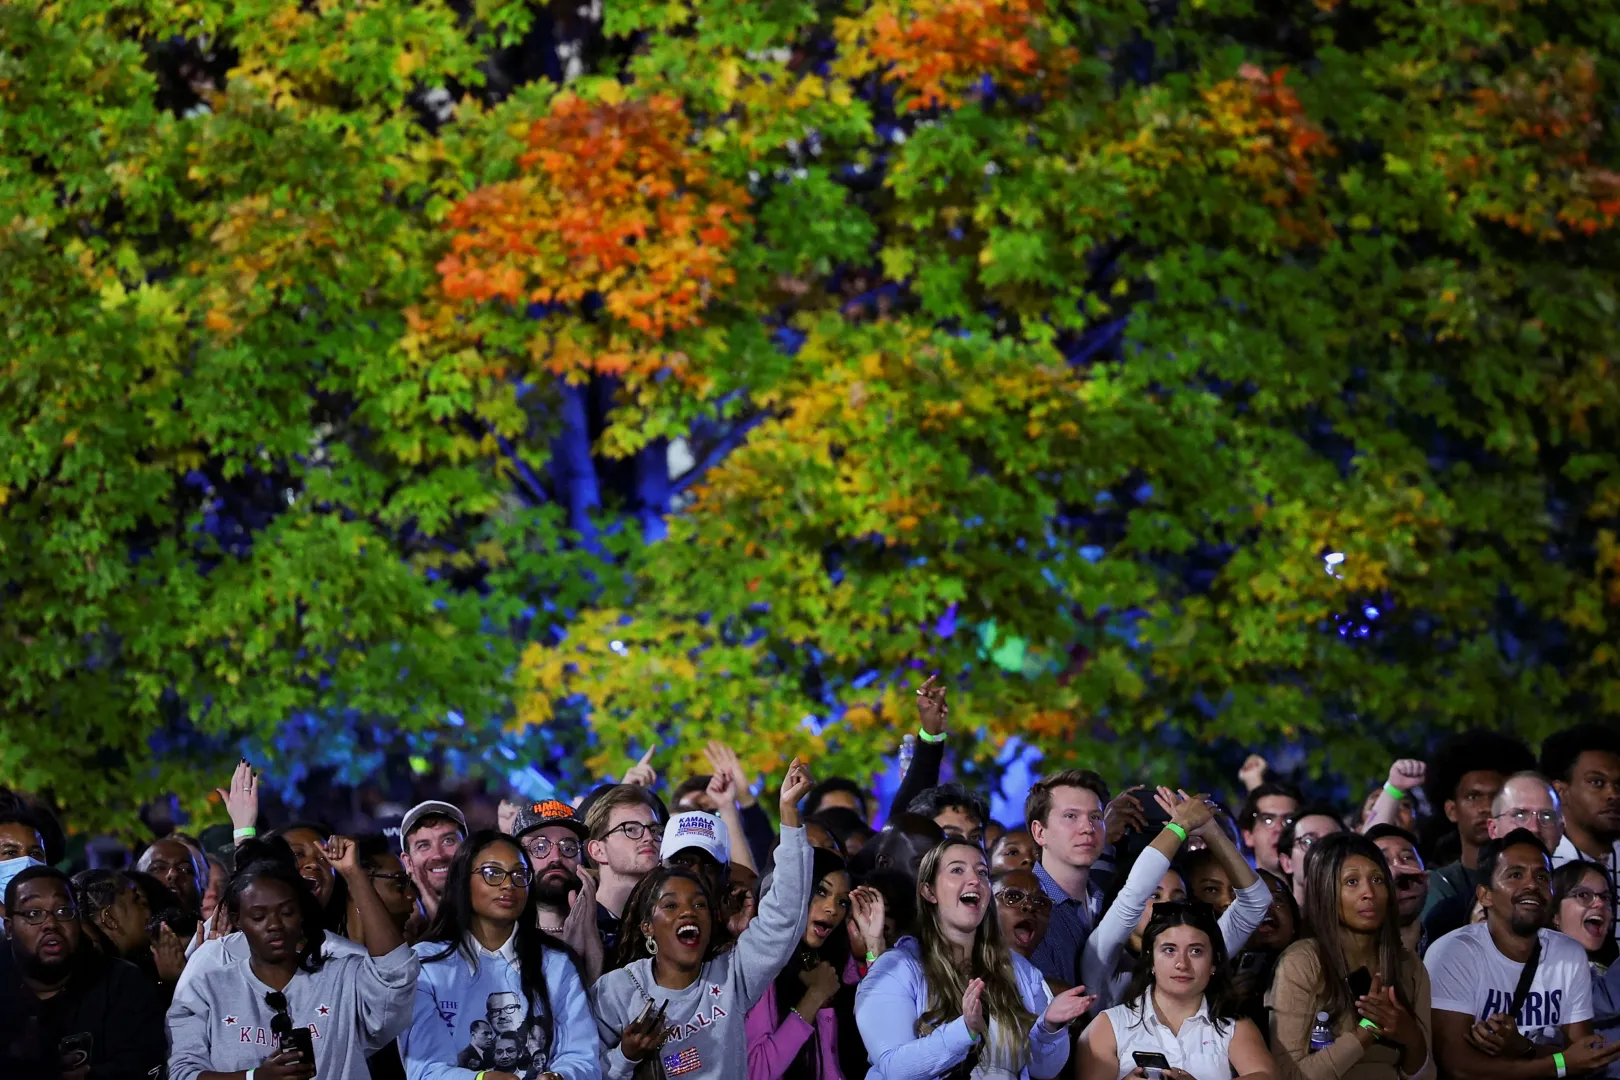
[(1155, 935)]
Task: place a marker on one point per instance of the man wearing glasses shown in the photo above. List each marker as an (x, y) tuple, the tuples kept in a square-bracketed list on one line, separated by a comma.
[(65, 1008), (1527, 801), (624, 830), (553, 837)]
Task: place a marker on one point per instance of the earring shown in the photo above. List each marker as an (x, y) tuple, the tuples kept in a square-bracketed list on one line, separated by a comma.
[(652, 946)]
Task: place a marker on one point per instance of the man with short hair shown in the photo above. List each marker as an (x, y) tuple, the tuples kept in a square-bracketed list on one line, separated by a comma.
[(1298, 837), (1411, 881), (901, 844), (1527, 801), (955, 809), (430, 834), (624, 831), (1584, 765), (392, 881), (1492, 1020), (1065, 815), (1465, 775), (67, 1009), (835, 792), (179, 866), (1266, 812)]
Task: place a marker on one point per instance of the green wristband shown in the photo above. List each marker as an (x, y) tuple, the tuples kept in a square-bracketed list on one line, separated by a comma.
[(1558, 1063), (1393, 792), (1369, 1025), (871, 957), (925, 737), (1171, 826)]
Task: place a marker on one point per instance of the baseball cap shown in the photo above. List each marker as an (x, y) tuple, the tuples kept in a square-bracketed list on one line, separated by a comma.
[(428, 809), (532, 816), (695, 829)]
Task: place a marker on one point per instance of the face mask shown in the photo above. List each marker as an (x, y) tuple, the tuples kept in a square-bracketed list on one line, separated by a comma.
[(10, 868)]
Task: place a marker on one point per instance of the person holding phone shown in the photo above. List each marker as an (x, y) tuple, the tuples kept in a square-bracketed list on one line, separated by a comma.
[(1354, 968), (671, 1002), (955, 997), (280, 998), (1179, 1019)]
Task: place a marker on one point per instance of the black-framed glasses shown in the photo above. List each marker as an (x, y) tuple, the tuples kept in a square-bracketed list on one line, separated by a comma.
[(1035, 901), (498, 875), (37, 916), (540, 847), (635, 830)]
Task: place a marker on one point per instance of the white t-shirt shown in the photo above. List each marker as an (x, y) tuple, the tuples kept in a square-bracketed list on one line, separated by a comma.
[(1467, 974)]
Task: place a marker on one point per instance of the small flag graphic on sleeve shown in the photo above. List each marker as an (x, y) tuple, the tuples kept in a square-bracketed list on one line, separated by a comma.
[(684, 1062)]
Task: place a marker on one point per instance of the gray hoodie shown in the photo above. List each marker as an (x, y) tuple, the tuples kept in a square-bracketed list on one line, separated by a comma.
[(706, 1037), (354, 1005)]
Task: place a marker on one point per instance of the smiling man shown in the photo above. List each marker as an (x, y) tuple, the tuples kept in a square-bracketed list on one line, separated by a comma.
[(429, 836), (1511, 1000), (65, 1008)]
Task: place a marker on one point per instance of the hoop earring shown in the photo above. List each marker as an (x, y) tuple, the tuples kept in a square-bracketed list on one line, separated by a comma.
[(652, 946)]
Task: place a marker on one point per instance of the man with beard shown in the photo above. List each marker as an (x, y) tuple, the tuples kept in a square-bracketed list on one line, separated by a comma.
[(429, 835), (182, 868), (67, 1010), (1511, 1000), (1584, 765), (1411, 881), (553, 837)]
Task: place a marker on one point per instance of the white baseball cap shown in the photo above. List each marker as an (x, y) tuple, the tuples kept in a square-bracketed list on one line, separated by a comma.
[(695, 829)]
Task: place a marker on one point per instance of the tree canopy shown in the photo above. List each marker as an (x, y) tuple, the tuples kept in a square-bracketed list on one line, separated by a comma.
[(693, 368)]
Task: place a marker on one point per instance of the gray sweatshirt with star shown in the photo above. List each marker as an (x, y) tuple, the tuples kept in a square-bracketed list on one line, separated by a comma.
[(706, 1038), (353, 1006)]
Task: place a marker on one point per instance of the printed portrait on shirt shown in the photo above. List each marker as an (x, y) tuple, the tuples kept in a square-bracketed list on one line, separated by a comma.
[(507, 1039)]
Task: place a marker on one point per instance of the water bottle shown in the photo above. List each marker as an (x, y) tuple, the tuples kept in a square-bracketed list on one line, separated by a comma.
[(1321, 1033), (908, 749)]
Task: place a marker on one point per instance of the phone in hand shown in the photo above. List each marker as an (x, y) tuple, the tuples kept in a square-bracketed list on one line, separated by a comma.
[(1152, 1065), (74, 1050), (1360, 983), (302, 1040)]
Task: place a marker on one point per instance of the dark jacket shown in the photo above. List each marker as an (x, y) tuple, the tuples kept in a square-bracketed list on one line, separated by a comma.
[(1451, 899), (108, 1008)]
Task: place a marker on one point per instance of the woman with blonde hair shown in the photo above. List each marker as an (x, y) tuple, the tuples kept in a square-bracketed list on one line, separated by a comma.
[(955, 1001)]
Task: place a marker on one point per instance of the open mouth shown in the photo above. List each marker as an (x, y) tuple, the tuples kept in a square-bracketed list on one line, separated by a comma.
[(1023, 932), (1593, 923), (1531, 903), (689, 934), (971, 899), (821, 928), (51, 945), (1269, 922)]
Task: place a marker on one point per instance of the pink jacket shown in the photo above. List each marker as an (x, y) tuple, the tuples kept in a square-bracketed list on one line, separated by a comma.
[(772, 1047)]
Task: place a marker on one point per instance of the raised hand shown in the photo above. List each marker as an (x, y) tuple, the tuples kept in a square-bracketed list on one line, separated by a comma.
[(866, 915), (1407, 774), (795, 786), (931, 707), (1191, 812), (1253, 772), (343, 854), (241, 799), (973, 1007), (723, 759), (579, 930), (642, 774), (169, 954), (1124, 814), (1068, 1007), (506, 815)]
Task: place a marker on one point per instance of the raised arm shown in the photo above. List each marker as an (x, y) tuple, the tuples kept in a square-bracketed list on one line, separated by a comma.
[(929, 753), (1404, 776), (775, 932)]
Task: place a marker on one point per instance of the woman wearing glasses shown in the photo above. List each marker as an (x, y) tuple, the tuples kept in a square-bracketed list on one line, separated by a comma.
[(498, 997), (1353, 968), (1583, 908), (246, 1002), (1180, 1013)]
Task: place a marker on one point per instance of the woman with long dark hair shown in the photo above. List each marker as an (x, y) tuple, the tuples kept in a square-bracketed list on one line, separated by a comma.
[(1583, 909), (1353, 967), (242, 997), (672, 1002), (804, 1026), (1181, 1006), (498, 996), (954, 999)]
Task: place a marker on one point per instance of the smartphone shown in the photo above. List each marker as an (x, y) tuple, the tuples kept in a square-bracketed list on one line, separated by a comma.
[(74, 1050), (1151, 1062), (304, 1041), (1360, 982)]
